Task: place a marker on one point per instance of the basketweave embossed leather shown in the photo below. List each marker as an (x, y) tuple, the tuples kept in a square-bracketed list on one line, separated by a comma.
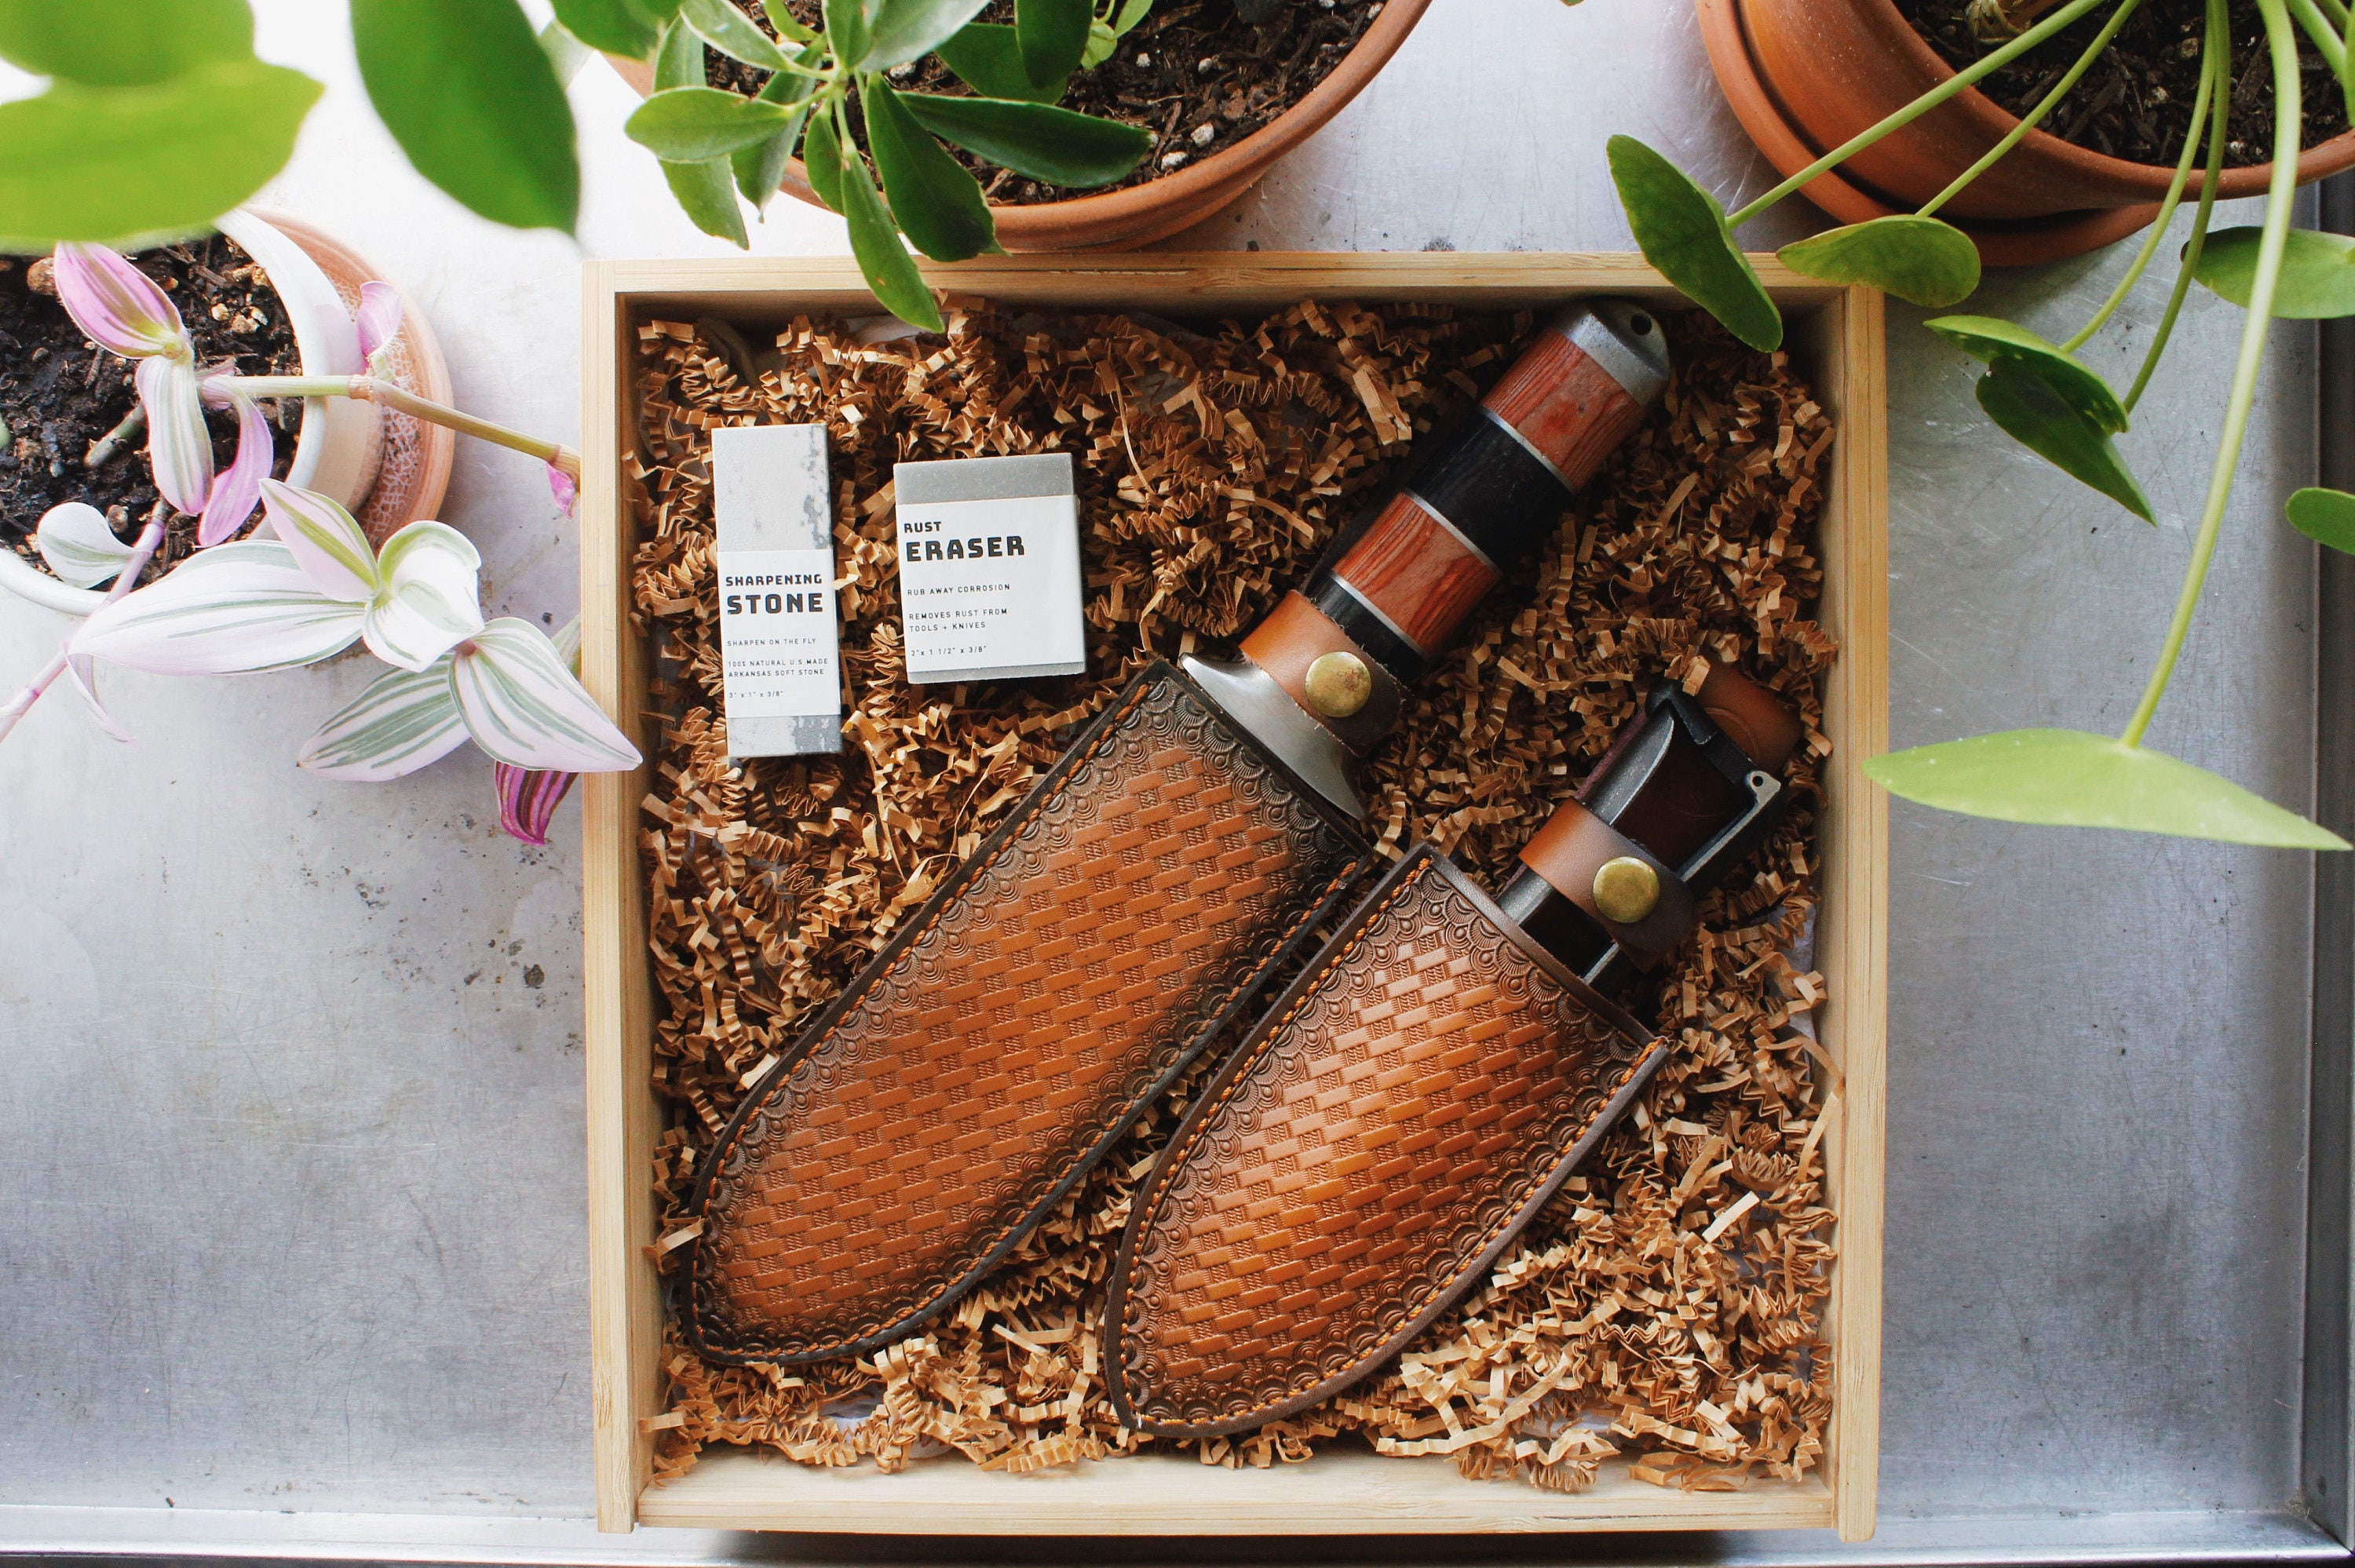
[(986, 1057), (1409, 1105)]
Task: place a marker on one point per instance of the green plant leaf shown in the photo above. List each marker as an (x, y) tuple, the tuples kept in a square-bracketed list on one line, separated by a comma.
[(1105, 36), (822, 157), (1053, 35), (987, 58), (890, 270), (761, 169), (910, 29), (788, 26), (678, 60), (729, 30), (123, 43), (938, 202), (690, 124), (849, 31), (1057, 145), (2325, 516), (616, 26), (2025, 407), (464, 88), (1917, 259), (1682, 232), (2317, 275), (1988, 339), (108, 163), (706, 192), (2066, 778)]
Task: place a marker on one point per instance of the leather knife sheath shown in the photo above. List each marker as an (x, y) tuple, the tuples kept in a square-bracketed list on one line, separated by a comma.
[(1076, 963), (1407, 1107), (1417, 1096), (1101, 938)]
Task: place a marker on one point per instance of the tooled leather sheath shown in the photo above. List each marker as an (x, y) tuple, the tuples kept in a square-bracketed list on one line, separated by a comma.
[(985, 1059), (1407, 1109)]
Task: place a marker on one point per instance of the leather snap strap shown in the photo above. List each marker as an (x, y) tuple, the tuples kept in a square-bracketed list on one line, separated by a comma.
[(1575, 844), (1294, 635)]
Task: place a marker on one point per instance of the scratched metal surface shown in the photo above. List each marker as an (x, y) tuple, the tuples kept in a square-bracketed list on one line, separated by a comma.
[(291, 1202)]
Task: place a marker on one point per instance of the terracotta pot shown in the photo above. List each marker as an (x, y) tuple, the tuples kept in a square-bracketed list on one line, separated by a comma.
[(1804, 75), (1117, 220)]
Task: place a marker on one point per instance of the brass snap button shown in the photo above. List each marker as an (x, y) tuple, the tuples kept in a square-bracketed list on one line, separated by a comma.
[(1339, 685), (1626, 890)]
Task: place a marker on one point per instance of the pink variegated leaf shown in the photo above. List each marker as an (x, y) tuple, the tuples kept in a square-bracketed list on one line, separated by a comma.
[(179, 445), (79, 545), (81, 671), (117, 306), (237, 606), (429, 597), (405, 720), (528, 798), (560, 485), (379, 320), (325, 538), (238, 491), (523, 706)]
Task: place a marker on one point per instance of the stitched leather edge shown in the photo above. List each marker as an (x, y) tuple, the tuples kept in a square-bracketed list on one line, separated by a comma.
[(1147, 1204), (1084, 749)]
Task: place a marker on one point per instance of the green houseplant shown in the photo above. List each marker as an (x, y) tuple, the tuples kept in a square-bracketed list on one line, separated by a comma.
[(2041, 394), (714, 143), (158, 115)]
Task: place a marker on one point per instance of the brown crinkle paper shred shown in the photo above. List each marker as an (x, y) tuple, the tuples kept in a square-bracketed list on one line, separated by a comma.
[(1668, 1305)]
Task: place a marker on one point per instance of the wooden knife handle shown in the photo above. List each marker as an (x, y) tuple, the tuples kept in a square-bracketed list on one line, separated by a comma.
[(1400, 579)]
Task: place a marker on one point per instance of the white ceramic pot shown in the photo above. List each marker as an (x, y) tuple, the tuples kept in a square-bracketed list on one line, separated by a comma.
[(340, 443)]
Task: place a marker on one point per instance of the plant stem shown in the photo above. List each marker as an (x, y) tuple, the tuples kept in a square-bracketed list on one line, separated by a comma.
[(2158, 232), (2327, 40), (368, 389), (2279, 196), (151, 539), (103, 450), (2218, 47), (2336, 10), (1937, 95), (2035, 116)]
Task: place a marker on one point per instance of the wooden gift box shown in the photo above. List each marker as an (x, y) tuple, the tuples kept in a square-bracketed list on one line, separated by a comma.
[(1836, 339)]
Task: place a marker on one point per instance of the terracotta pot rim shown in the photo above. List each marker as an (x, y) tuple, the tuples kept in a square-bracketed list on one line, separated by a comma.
[(1237, 166), (2327, 157)]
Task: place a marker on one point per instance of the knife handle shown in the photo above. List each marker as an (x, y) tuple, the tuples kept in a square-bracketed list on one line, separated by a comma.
[(1689, 790), (1400, 580)]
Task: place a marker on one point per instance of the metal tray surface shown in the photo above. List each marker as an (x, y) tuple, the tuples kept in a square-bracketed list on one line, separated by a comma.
[(292, 1253)]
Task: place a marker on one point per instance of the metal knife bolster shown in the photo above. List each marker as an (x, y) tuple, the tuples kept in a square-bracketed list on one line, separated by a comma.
[(1389, 594), (1613, 882)]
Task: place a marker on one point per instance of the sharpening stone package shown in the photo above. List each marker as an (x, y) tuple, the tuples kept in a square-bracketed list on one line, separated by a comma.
[(780, 648)]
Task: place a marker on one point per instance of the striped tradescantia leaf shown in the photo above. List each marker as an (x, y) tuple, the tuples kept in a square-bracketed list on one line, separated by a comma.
[(326, 541), (235, 607), (179, 446), (427, 601), (79, 545), (81, 674), (525, 708), (528, 798), (237, 490), (406, 720), (419, 596)]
